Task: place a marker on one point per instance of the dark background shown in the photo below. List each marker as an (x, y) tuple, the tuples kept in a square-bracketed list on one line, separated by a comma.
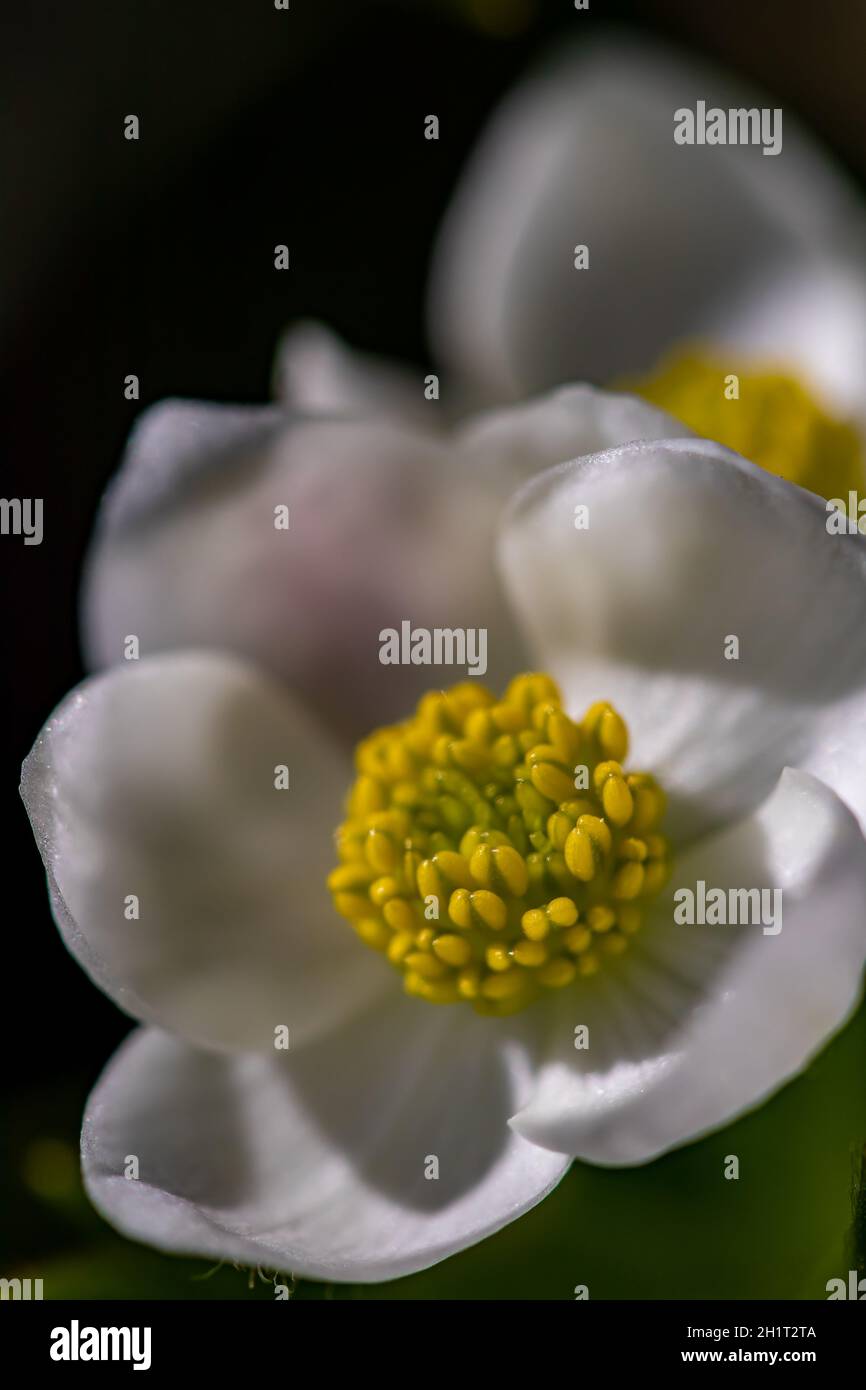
[(156, 257)]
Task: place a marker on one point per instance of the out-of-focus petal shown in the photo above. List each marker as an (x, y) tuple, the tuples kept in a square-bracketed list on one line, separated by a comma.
[(316, 373), (758, 253), (385, 524)]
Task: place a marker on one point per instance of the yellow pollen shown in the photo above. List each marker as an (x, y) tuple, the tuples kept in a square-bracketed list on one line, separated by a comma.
[(478, 861), (766, 415)]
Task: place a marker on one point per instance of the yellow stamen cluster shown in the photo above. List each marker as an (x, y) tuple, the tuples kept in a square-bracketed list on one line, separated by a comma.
[(772, 420), (495, 849)]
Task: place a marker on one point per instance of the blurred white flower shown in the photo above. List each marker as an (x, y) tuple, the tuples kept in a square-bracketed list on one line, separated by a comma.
[(386, 522), (761, 260)]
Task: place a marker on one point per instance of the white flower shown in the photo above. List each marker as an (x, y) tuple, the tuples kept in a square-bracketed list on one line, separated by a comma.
[(760, 258), (193, 892)]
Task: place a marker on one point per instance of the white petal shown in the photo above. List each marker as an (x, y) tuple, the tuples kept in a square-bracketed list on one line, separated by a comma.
[(385, 525), (314, 1162), (158, 781), (721, 243), (700, 1022), (522, 440), (317, 374), (687, 546)]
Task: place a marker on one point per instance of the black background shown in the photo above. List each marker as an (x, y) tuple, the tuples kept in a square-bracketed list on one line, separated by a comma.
[(156, 257)]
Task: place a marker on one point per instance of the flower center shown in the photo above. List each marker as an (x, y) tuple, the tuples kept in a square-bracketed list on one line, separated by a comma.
[(496, 849), (765, 415)]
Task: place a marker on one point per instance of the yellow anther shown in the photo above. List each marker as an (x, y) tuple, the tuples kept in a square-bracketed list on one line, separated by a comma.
[(581, 855), (507, 718), (467, 696), (577, 939), (542, 712), (598, 830), (348, 877), (551, 781), (460, 908), (428, 880), (469, 983), (480, 727), (649, 803), (412, 862), (398, 762), (527, 740), (394, 822), (614, 945), (655, 876), (535, 924), (473, 862), (632, 848), (600, 917), (609, 767), (773, 419), (383, 889), (373, 932), (628, 880), (564, 735), (557, 973), (432, 712), (481, 865), (350, 846), (559, 871), (453, 950), (399, 946), (426, 965), (453, 814), (503, 986), (367, 795), (499, 865), (530, 953), (497, 958), (612, 735), (506, 752), (399, 915), (616, 798), (381, 852), (563, 821), (532, 804), (603, 724), (532, 688), (453, 868), (586, 846), (434, 991), (405, 795), (562, 912), (559, 827), (489, 908), (352, 904), (470, 756), (511, 870), (628, 918), (370, 760)]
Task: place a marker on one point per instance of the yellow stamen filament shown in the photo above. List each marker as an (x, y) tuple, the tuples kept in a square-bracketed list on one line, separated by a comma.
[(470, 860)]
